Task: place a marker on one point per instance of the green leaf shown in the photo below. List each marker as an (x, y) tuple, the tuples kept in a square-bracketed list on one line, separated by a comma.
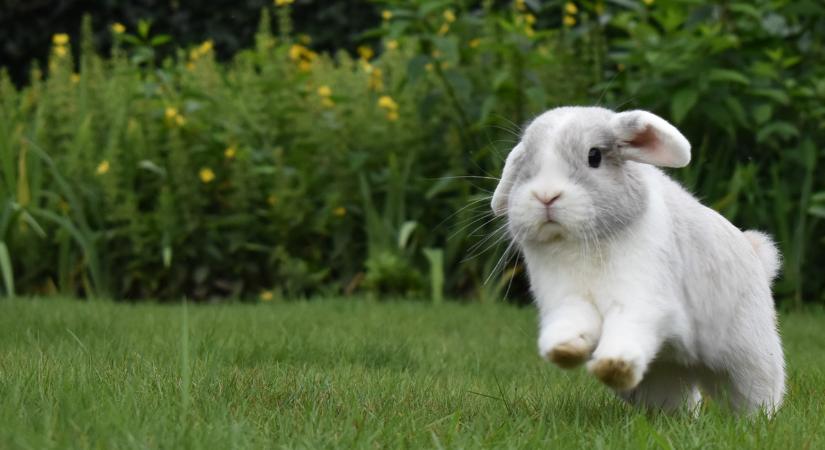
[(762, 113), (774, 94), (681, 103), (441, 185), (6, 269), (160, 40), (430, 6), (745, 8), (130, 39), (435, 256), (728, 76), (406, 231), (416, 67), (784, 130), (143, 28), (487, 108), (818, 211), (736, 110)]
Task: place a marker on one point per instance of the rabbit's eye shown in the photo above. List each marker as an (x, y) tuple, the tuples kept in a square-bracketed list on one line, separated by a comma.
[(594, 158)]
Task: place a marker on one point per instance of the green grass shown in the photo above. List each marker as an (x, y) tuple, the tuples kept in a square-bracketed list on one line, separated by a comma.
[(342, 373)]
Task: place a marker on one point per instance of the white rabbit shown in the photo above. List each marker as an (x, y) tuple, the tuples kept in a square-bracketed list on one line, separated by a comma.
[(658, 294)]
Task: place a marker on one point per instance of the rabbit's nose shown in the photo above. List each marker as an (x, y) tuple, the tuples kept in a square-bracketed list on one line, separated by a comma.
[(545, 198)]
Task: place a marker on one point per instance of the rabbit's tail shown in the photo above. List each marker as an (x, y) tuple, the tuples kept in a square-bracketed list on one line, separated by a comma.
[(766, 250)]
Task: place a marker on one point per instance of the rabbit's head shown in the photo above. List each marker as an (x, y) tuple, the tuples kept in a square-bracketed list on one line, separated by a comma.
[(575, 174)]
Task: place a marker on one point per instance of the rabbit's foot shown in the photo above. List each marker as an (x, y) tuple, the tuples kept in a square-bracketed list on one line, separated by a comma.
[(570, 354), (618, 373)]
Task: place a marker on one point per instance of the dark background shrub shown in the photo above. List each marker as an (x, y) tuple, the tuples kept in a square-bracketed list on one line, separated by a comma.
[(26, 26)]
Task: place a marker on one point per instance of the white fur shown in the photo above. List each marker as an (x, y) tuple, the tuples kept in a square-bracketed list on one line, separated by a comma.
[(677, 301)]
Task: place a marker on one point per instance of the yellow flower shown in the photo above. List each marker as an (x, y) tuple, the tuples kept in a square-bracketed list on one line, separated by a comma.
[(449, 16), (392, 45), (340, 211), (118, 28), (60, 51), (392, 116), (103, 167), (267, 296), (283, 2), (324, 91), (386, 14), (230, 152), (365, 52), (206, 175), (386, 102), (173, 116), (296, 51), (647, 2), (429, 67), (569, 21), (520, 5), (202, 50), (570, 8), (376, 81), (530, 19), (444, 29), (474, 43), (206, 46), (303, 56), (60, 39), (75, 78)]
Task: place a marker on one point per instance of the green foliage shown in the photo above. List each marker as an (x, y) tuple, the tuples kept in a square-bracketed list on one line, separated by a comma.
[(286, 172), (343, 374), (746, 86)]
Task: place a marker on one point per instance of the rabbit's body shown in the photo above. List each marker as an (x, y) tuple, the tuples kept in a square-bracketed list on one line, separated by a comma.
[(660, 295)]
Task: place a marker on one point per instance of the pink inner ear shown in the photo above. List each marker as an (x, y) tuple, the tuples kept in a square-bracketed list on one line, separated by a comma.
[(647, 139)]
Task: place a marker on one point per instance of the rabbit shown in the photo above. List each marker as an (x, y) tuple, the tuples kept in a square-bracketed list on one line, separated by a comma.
[(661, 297)]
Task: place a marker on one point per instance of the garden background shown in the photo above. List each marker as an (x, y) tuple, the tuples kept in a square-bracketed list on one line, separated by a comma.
[(265, 151)]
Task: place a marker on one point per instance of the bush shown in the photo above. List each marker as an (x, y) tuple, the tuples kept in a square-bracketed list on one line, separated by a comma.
[(746, 84), (284, 173), (287, 173)]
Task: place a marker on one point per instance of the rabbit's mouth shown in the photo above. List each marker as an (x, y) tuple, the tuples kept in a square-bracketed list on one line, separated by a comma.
[(549, 230)]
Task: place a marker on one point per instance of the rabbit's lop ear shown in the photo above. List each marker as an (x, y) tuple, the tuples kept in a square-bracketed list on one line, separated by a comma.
[(647, 138), (508, 178)]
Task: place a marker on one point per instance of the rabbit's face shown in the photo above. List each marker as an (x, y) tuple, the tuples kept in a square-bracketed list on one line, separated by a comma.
[(570, 179)]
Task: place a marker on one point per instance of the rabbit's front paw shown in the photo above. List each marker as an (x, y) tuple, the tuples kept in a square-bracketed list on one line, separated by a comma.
[(567, 353), (622, 374)]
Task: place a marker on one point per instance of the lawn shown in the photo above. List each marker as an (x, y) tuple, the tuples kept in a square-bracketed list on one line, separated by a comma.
[(341, 373)]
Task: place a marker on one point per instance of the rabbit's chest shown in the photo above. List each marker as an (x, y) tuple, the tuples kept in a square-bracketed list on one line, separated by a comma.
[(604, 280)]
